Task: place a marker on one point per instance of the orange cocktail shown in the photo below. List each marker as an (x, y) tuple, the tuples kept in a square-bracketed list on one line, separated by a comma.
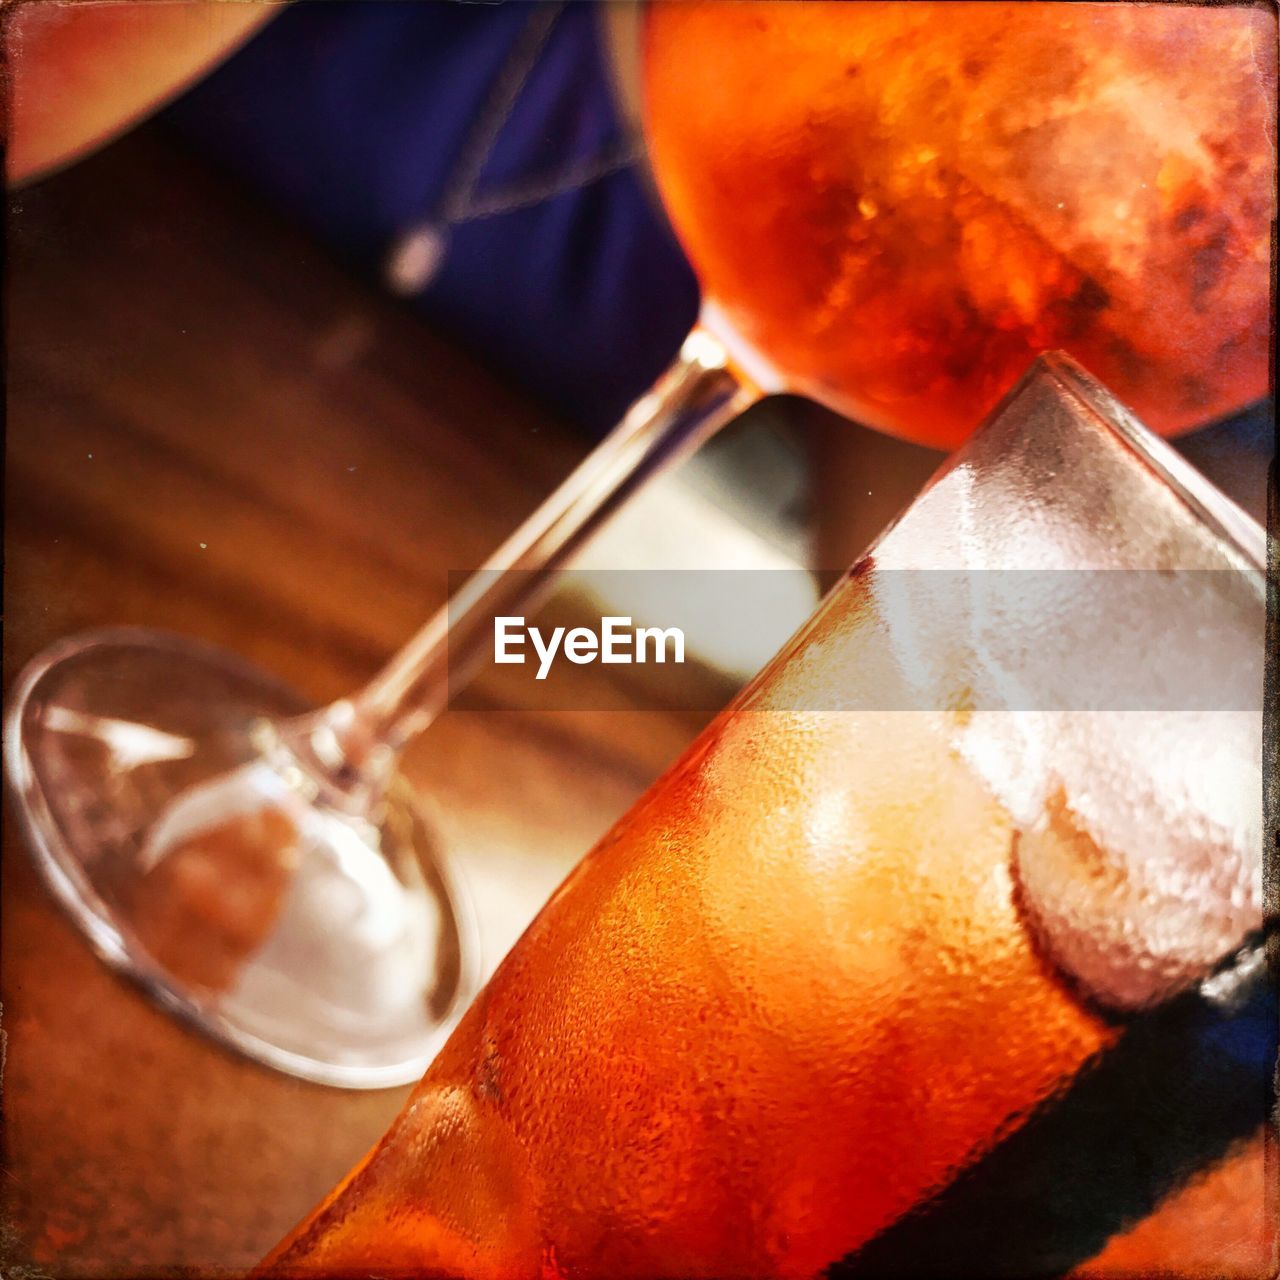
[(806, 980), (898, 205)]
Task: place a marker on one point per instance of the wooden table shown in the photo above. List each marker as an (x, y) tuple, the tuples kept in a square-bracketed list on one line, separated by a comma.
[(213, 429)]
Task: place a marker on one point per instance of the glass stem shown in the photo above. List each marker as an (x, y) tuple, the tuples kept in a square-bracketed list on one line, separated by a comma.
[(354, 743)]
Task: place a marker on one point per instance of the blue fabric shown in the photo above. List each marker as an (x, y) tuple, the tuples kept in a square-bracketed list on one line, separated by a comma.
[(354, 118), (1250, 1036)]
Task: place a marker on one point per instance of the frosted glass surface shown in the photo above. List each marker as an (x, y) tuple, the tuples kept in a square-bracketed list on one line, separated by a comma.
[(841, 953), (1125, 640)]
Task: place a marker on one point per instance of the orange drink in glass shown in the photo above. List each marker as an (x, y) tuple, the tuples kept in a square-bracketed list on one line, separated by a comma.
[(877, 920)]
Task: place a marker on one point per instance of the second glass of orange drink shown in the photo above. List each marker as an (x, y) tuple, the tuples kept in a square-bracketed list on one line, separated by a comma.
[(883, 910)]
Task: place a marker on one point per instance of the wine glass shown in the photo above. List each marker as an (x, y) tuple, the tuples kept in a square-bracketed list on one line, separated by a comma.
[(937, 915), (890, 209)]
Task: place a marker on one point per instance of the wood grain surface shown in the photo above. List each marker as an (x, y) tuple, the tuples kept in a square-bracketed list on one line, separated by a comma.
[(212, 428)]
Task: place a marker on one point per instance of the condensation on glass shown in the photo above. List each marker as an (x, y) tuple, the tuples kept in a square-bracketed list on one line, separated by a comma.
[(841, 951)]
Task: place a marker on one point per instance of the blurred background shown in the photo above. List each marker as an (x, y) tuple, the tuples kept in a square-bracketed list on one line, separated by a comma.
[(281, 356)]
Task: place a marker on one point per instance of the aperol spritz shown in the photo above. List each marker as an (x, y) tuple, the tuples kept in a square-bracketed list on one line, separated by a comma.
[(899, 205), (834, 957)]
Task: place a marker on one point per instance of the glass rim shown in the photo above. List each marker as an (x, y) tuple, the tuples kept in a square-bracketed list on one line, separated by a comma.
[(1206, 502)]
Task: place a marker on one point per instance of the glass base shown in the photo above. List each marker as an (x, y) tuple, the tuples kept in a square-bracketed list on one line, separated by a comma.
[(202, 859)]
